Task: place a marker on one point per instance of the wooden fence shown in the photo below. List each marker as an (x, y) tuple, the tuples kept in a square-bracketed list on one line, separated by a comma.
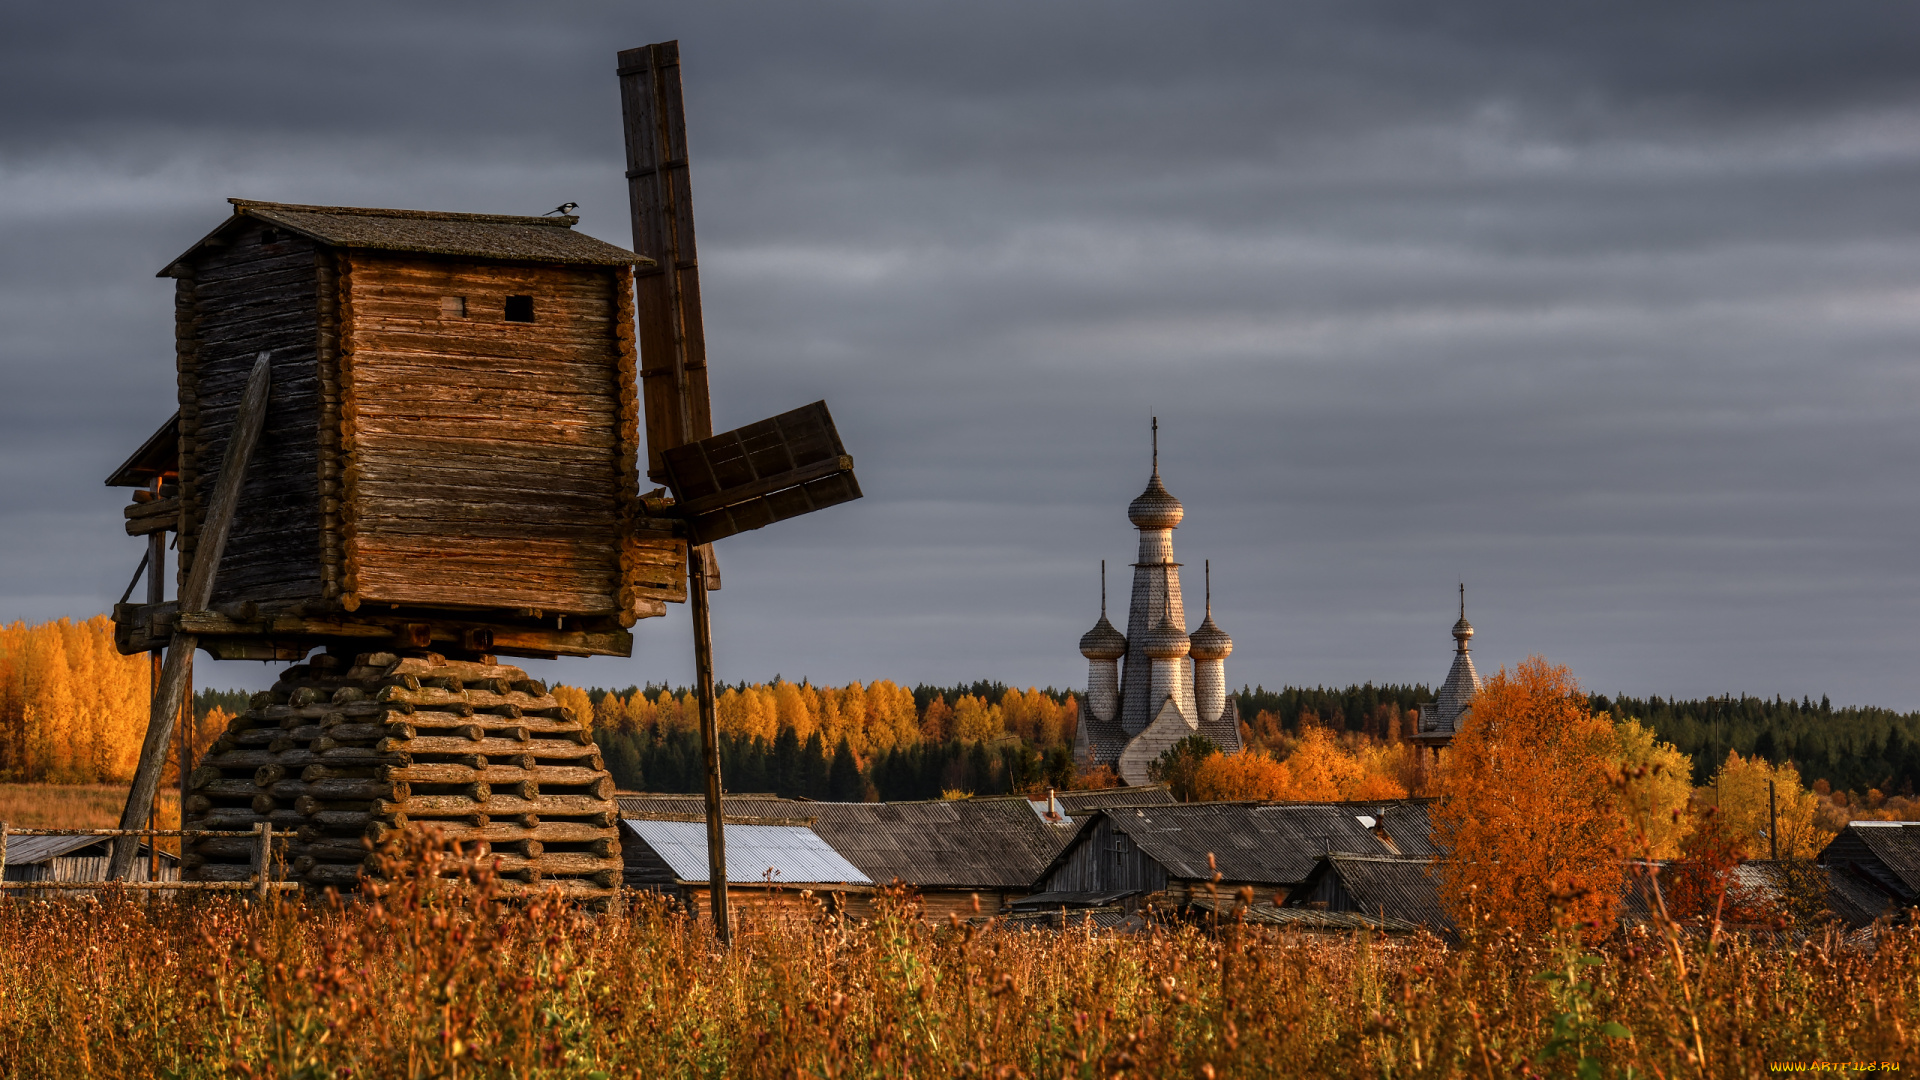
[(260, 882)]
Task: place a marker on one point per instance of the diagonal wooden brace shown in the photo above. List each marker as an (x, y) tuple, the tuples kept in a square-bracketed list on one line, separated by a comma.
[(195, 597)]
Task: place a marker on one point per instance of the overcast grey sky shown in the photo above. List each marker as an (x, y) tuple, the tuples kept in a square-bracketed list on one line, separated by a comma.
[(1608, 309)]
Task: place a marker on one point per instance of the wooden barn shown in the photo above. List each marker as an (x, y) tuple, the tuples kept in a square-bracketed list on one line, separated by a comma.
[(1391, 889), (1882, 855), (450, 456), (1170, 855), (55, 859), (948, 852)]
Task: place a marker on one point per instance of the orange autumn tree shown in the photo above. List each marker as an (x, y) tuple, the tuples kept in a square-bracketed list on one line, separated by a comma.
[(1526, 812)]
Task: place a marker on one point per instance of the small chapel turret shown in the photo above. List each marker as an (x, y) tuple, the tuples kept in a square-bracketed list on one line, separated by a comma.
[(1157, 684), (1442, 718)]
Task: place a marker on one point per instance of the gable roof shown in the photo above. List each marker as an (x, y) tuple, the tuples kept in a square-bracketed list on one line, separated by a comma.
[(27, 850), (1385, 886), (1274, 844), (786, 854), (997, 842), (505, 237), (1886, 853)]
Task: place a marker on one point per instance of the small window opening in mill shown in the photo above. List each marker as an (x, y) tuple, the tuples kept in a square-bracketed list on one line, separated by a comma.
[(453, 307), (269, 236), (519, 309)]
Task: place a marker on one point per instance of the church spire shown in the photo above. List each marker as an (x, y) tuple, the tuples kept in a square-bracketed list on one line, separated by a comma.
[(1462, 630)]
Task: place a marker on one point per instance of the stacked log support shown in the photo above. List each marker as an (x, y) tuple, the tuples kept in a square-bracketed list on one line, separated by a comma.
[(346, 755)]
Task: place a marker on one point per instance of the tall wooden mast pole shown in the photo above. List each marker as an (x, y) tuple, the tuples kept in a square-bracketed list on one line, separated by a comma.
[(673, 357)]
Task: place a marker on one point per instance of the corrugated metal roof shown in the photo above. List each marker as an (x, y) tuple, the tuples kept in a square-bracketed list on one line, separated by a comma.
[(756, 854), (1392, 888), (1077, 802), (1269, 844), (1896, 844), (505, 237)]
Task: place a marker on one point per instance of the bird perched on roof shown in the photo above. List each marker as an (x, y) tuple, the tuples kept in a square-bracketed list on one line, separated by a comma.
[(563, 208)]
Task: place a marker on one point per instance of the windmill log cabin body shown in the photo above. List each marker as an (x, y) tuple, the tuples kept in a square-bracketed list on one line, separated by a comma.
[(448, 470)]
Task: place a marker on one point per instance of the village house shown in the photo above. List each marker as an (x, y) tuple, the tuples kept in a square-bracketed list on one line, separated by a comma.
[(960, 856), (1881, 862), (1172, 855)]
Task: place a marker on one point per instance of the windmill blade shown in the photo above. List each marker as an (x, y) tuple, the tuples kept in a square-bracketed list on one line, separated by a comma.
[(673, 347), (753, 476)]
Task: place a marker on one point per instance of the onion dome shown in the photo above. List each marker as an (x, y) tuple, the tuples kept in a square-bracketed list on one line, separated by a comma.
[(1103, 642), (1166, 641), (1156, 508), (1210, 642), (1462, 630)]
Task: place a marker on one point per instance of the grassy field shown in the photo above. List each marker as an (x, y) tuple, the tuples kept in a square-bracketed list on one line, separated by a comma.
[(79, 806), (418, 984)]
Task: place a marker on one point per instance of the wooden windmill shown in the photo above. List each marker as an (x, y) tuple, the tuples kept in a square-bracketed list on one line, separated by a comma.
[(782, 467), (412, 440)]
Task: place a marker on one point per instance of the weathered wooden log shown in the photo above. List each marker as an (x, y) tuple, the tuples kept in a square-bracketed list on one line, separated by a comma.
[(253, 759), (553, 863), (498, 805), (313, 773), (498, 832), (338, 875), (268, 775), (599, 886), (440, 744), (437, 773)]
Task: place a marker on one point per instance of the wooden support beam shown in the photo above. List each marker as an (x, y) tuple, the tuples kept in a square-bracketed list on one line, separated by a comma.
[(195, 597), (709, 745)]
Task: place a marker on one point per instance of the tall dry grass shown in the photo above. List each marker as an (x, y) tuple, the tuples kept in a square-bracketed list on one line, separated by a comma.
[(418, 983), (76, 806)]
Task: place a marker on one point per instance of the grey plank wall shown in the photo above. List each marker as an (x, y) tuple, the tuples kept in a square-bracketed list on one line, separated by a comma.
[(250, 296)]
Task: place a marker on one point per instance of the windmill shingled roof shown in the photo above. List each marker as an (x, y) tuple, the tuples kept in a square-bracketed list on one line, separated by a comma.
[(505, 237)]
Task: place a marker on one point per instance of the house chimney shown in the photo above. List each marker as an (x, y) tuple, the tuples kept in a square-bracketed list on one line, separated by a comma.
[(1052, 810)]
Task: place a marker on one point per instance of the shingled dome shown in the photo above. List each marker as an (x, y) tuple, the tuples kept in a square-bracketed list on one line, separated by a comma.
[(1210, 642), (1166, 641), (1103, 642), (472, 236), (1156, 508)]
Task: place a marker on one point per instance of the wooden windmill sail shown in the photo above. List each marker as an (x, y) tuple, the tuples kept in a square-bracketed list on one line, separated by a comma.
[(778, 468)]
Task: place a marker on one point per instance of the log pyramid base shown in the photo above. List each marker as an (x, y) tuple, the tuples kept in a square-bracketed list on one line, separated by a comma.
[(342, 755)]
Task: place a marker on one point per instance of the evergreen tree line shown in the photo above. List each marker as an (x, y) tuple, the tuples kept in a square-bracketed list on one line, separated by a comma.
[(1853, 749), (670, 761), (1365, 708)]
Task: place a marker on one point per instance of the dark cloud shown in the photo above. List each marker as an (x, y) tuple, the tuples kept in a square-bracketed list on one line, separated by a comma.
[(1608, 308)]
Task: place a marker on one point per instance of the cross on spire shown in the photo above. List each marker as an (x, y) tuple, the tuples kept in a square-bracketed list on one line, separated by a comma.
[(1156, 444), (1208, 564), (1103, 588), (1463, 597)]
